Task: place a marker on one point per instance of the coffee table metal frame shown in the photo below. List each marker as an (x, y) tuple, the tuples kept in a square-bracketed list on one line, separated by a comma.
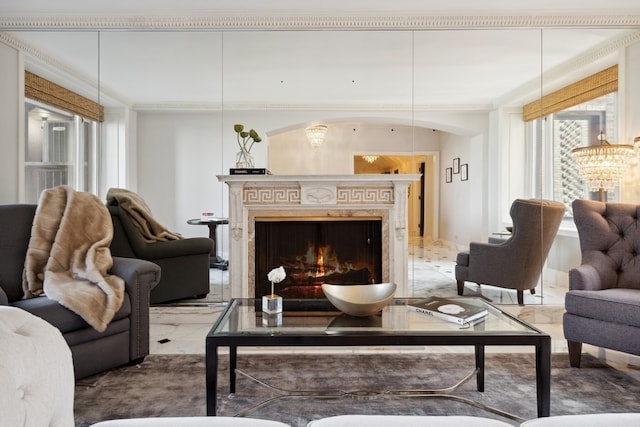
[(218, 338)]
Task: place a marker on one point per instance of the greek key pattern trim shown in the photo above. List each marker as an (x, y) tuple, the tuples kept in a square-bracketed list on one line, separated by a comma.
[(271, 196), (364, 195)]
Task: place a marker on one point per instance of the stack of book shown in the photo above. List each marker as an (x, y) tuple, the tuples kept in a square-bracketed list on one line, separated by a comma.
[(249, 171), (455, 311)]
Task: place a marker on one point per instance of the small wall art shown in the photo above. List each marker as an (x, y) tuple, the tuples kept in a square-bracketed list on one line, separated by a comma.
[(456, 165), (464, 172), (448, 175)]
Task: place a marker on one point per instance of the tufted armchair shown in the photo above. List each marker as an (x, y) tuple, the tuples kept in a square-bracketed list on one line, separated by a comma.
[(514, 263), (603, 302)]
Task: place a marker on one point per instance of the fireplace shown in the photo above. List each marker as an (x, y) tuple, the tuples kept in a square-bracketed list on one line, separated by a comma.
[(257, 199), (316, 251)]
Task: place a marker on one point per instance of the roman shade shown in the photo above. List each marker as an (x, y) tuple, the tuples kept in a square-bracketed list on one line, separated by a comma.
[(592, 87), (40, 89)]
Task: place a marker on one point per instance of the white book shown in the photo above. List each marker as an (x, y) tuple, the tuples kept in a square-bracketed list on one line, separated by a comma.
[(455, 311)]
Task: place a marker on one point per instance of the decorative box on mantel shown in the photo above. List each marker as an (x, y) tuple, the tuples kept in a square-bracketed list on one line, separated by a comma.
[(317, 197)]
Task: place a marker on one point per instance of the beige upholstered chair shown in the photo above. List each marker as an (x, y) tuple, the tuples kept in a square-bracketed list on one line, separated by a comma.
[(190, 422), (36, 372), (515, 263)]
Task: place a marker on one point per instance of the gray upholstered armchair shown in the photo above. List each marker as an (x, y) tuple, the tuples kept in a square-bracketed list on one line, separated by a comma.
[(603, 302), (515, 263)]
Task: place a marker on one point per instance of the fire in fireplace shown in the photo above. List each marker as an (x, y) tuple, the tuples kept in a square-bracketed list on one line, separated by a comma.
[(313, 252)]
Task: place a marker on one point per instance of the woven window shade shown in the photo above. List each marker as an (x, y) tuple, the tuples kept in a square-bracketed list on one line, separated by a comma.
[(39, 89), (592, 87)]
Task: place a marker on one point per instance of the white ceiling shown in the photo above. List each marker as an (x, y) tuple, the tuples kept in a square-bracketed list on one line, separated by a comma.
[(432, 69), (196, 7)]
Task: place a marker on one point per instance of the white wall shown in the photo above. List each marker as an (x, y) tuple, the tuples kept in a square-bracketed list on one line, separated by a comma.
[(10, 100), (462, 203), (180, 153), (290, 152)]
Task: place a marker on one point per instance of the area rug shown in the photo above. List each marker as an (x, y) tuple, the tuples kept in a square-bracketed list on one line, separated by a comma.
[(175, 386)]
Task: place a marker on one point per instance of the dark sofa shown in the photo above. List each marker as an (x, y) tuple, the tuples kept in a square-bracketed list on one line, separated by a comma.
[(126, 339), (184, 263)]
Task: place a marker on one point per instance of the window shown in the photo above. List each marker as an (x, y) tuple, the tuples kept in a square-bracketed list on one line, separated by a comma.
[(561, 132), (62, 144), (571, 117), (60, 150)]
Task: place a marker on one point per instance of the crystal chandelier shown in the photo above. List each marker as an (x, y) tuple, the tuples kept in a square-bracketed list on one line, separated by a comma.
[(370, 159), (315, 135), (603, 165)]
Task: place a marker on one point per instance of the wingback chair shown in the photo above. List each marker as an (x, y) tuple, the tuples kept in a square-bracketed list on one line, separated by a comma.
[(515, 263), (603, 301)]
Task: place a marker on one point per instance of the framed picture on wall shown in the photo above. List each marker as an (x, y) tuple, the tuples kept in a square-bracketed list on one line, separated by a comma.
[(448, 175), (456, 165), (464, 172)]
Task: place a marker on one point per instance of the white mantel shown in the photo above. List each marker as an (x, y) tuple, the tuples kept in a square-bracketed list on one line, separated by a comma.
[(381, 196)]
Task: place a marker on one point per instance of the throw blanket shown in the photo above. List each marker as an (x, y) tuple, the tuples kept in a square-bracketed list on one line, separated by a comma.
[(150, 229), (68, 256)]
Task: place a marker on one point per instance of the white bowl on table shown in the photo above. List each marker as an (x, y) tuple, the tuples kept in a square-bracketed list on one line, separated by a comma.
[(360, 300)]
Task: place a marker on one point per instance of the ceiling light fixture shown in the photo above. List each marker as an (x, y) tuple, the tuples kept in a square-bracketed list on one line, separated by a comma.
[(603, 165), (370, 159), (315, 135)]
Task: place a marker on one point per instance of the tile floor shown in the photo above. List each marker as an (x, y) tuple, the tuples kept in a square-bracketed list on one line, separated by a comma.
[(186, 323)]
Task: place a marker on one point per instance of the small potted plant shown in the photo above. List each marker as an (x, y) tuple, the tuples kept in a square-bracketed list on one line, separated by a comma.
[(245, 142), (273, 303)]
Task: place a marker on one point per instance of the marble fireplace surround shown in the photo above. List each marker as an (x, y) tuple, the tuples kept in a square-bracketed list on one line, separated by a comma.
[(316, 197)]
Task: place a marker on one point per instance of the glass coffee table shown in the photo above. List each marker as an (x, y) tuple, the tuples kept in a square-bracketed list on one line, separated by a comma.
[(318, 323)]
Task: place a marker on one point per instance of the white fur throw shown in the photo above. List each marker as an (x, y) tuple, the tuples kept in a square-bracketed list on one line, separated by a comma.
[(68, 256)]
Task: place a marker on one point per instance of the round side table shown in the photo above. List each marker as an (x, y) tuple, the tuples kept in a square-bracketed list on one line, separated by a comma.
[(215, 261)]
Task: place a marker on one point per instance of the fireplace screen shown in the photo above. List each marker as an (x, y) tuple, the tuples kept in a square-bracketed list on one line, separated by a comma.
[(346, 252)]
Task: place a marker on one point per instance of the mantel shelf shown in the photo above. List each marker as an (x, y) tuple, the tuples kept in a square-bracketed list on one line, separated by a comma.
[(333, 179)]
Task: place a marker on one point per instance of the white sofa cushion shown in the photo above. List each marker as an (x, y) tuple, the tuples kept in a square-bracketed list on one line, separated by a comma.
[(190, 422), (586, 420), (406, 421), (36, 372)]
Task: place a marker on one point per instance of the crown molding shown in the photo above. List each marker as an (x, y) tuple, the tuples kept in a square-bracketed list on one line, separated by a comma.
[(389, 21), (216, 106)]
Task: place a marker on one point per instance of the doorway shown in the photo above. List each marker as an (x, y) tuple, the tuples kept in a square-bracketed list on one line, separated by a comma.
[(423, 202)]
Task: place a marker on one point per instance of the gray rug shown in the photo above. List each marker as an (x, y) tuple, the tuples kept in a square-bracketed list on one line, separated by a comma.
[(175, 386)]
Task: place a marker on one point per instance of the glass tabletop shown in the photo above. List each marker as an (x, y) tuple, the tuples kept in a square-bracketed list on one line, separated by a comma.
[(244, 317)]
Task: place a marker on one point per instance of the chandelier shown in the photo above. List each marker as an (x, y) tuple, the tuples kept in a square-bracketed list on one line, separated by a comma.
[(603, 165), (370, 159), (315, 135)]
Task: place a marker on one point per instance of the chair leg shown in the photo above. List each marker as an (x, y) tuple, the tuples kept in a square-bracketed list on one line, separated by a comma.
[(520, 294), (575, 352), (460, 284)]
